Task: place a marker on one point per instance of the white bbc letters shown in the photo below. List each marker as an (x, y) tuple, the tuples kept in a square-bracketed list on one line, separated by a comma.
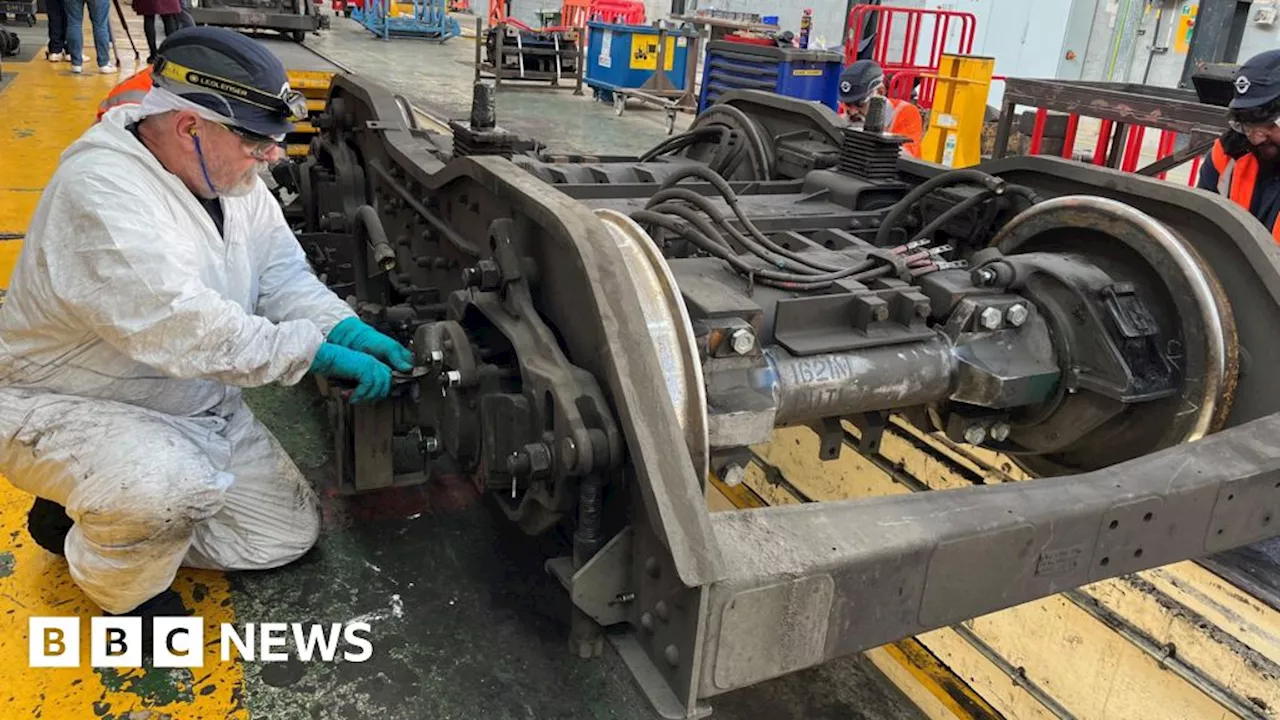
[(53, 641), (115, 641), (178, 642)]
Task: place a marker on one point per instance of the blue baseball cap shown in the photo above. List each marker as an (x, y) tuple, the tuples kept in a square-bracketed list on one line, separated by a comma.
[(859, 80), (231, 75), (1257, 82)]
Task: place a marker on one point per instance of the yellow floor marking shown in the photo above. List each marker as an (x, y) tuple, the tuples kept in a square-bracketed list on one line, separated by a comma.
[(48, 107)]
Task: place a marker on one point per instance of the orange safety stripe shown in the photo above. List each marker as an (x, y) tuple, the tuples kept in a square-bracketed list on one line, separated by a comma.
[(129, 91), (1237, 178)]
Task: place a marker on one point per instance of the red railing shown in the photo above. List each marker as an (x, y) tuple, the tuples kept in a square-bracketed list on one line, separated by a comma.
[(574, 14), (902, 62), (1131, 154)]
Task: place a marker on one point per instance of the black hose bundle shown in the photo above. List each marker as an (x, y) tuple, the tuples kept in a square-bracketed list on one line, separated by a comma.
[(681, 211), (677, 211)]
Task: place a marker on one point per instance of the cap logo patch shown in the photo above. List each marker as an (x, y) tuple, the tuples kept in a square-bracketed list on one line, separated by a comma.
[(846, 87), (1242, 84)]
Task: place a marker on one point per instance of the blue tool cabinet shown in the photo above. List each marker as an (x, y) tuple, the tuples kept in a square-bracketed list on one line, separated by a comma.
[(805, 74)]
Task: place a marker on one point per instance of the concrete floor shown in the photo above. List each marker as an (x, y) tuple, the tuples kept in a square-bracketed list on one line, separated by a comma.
[(439, 76)]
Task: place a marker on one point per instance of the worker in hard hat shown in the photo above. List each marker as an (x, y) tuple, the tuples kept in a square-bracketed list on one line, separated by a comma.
[(862, 80), (1244, 164), (158, 277)]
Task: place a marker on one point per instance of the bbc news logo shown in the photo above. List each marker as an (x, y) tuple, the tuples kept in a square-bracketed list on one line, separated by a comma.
[(178, 642)]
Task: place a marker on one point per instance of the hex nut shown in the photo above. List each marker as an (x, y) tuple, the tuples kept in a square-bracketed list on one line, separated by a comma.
[(742, 341), (990, 318), (734, 475), (1016, 315), (975, 435), (1000, 432)]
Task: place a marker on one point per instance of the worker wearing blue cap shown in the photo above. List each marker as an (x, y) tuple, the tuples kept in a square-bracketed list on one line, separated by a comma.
[(863, 79), (1244, 164), (158, 277)]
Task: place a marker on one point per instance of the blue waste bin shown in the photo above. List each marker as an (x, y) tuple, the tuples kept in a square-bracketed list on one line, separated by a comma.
[(625, 57), (805, 74)]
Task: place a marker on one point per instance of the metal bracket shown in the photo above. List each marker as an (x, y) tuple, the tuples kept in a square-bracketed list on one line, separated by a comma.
[(871, 426), (830, 437)]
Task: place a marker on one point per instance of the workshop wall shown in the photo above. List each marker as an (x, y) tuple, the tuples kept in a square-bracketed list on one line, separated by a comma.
[(1260, 35)]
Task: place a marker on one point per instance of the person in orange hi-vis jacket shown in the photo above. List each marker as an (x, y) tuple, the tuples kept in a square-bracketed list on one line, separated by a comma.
[(130, 91), (1244, 164), (862, 80)]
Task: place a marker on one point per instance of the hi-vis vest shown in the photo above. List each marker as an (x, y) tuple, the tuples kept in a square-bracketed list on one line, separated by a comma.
[(128, 92), (1237, 178)]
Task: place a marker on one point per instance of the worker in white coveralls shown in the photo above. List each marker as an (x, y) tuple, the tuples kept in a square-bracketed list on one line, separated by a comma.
[(158, 277)]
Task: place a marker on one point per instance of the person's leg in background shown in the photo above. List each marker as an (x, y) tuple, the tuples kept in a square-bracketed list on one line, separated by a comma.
[(172, 24), (75, 33), (100, 18), (149, 29), (57, 12)]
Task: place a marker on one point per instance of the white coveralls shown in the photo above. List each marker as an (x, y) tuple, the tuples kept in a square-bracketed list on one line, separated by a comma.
[(129, 327)]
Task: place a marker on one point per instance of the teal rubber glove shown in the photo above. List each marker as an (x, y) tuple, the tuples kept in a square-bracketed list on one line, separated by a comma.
[(372, 378), (355, 334)]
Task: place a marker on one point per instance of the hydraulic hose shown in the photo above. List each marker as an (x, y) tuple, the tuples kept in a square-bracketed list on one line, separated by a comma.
[(953, 177), (771, 252), (952, 212), (701, 230)]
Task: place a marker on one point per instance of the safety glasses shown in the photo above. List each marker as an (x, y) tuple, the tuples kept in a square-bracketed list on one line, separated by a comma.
[(1250, 129), (259, 146)]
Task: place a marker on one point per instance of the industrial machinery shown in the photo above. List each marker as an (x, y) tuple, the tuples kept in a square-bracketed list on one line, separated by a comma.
[(419, 18), (293, 18), (512, 50), (596, 336)]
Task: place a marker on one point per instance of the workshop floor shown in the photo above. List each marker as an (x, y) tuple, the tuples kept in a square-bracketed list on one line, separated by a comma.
[(465, 623), (439, 76)]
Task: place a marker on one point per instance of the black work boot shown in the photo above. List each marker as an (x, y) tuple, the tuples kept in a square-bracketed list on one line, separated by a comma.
[(166, 604), (48, 524)]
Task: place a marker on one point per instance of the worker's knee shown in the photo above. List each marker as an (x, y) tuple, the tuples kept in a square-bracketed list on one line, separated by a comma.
[(165, 501)]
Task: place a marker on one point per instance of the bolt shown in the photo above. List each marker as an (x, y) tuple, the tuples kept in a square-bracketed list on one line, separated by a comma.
[(990, 318), (672, 655), (663, 612), (485, 275), (539, 455), (452, 378), (880, 313), (518, 463), (1016, 314), (435, 358), (651, 567), (568, 452), (984, 276), (742, 341), (623, 598), (734, 475), (431, 444), (975, 435), (1000, 432), (646, 621)]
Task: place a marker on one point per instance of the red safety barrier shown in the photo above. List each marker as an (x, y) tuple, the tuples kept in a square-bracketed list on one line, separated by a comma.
[(953, 33), (574, 14), (1069, 141), (1129, 158)]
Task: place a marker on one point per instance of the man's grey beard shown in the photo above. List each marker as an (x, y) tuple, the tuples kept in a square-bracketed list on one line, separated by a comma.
[(247, 181)]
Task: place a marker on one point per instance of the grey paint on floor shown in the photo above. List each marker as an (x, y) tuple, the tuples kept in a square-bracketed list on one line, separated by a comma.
[(439, 77)]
